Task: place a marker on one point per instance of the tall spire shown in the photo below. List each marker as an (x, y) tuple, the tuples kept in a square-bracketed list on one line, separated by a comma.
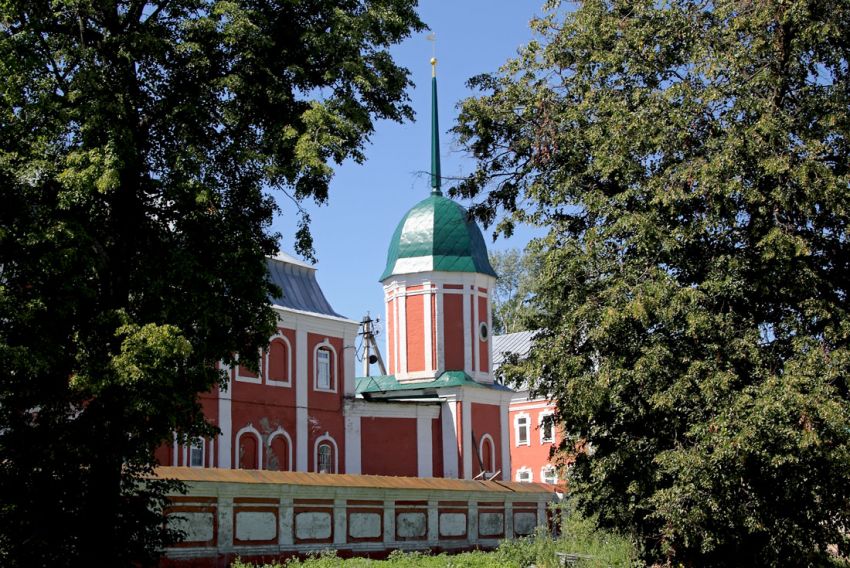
[(435, 133)]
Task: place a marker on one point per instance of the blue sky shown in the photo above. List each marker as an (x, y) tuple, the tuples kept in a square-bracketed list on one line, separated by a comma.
[(351, 233)]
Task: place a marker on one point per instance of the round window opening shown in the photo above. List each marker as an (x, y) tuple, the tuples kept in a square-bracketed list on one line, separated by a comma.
[(483, 331)]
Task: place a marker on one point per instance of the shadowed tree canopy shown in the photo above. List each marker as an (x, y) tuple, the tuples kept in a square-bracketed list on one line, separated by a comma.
[(690, 161), (138, 143)]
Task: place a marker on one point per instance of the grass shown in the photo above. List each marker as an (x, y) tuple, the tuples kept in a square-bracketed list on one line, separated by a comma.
[(578, 536)]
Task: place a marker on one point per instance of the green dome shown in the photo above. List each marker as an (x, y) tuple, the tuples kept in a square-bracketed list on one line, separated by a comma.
[(436, 234)]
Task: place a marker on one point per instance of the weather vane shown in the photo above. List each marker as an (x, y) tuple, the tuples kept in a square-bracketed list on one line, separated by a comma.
[(432, 37)]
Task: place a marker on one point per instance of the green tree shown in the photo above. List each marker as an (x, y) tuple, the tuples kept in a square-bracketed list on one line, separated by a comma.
[(690, 159), (517, 272), (138, 142)]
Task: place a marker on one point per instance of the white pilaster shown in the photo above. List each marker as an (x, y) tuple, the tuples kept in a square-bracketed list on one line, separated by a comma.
[(450, 439), (348, 371), (467, 332), (424, 445), (506, 440), (476, 350), (401, 302), (353, 445), (225, 421), (285, 513), (466, 419), (301, 383), (441, 344), (340, 524), (429, 354)]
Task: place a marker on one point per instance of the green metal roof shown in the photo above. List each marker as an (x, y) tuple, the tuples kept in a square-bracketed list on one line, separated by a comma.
[(437, 234), (388, 383)]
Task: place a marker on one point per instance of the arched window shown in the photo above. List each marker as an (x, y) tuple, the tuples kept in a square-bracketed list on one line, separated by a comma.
[(325, 366), (279, 455), (279, 362), (326, 454), (249, 452), (488, 454), (524, 475)]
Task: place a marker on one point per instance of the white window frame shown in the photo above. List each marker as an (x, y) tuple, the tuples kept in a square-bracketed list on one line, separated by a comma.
[(540, 419), (518, 441), (524, 471), (332, 367), (246, 379), (249, 429), (489, 468), (321, 439), (280, 432), (549, 472), (197, 444), (288, 363)]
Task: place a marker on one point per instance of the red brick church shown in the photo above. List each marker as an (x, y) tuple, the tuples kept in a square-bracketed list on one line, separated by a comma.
[(437, 412)]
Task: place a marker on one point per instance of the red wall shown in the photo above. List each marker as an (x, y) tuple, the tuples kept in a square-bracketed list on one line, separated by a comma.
[(415, 333), (388, 446), (453, 322), (485, 420)]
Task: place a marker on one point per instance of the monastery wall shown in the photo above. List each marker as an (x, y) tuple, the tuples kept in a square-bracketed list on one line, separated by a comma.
[(264, 515)]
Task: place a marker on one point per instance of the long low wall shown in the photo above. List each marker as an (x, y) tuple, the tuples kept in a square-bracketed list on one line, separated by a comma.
[(264, 515)]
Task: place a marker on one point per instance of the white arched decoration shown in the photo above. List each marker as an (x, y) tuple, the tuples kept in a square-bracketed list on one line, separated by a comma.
[(280, 432), (334, 380), (247, 378), (288, 363), (488, 439), (325, 438), (250, 430)]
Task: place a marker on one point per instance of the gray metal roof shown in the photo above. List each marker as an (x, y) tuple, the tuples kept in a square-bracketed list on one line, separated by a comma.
[(519, 343), (300, 288)]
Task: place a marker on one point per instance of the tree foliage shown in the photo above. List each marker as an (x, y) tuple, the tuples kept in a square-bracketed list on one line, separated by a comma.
[(517, 273), (138, 142), (690, 159)]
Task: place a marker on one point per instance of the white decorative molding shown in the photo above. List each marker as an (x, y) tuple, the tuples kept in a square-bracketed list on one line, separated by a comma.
[(488, 439), (288, 363), (523, 471), (245, 378)]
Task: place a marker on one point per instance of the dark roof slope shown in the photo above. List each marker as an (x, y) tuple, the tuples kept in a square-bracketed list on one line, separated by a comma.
[(298, 283)]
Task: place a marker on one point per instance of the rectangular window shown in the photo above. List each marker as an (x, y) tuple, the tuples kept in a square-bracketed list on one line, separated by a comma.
[(522, 431), (324, 369), (523, 476), (196, 453), (547, 430)]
